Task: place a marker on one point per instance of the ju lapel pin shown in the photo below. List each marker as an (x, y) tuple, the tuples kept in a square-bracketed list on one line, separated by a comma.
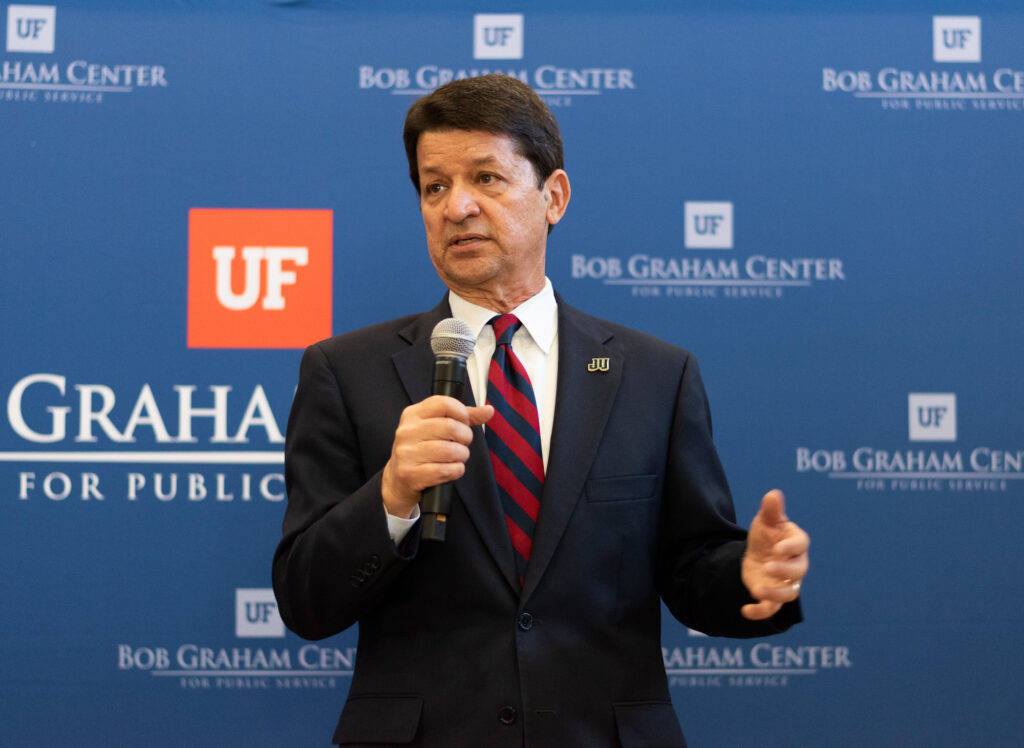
[(598, 364)]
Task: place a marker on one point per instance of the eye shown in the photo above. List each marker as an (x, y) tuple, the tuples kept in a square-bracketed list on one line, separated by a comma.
[(432, 189), (487, 179)]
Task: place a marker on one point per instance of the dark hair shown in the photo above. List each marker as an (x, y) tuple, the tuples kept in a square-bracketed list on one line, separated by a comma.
[(494, 103)]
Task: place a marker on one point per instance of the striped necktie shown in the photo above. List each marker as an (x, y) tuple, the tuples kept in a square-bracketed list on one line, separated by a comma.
[(513, 438)]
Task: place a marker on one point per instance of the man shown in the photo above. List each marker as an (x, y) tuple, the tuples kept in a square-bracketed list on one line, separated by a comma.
[(536, 622)]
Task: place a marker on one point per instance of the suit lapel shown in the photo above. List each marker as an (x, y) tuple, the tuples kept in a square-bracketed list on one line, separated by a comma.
[(415, 363), (476, 488), (583, 402)]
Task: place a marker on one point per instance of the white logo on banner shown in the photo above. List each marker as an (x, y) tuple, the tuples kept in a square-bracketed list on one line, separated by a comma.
[(498, 36), (763, 664), (253, 258), (30, 28), (256, 614), (932, 417), (45, 408), (204, 666), (956, 38), (708, 225)]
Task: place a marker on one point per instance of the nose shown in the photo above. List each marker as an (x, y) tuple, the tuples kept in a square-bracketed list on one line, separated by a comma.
[(461, 204)]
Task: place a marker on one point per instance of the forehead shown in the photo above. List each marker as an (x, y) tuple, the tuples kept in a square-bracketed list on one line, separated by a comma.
[(445, 150)]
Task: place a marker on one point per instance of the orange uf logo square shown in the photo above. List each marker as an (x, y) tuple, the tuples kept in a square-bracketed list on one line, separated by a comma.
[(259, 278)]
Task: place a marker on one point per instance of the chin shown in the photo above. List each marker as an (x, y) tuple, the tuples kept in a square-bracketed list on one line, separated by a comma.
[(467, 274)]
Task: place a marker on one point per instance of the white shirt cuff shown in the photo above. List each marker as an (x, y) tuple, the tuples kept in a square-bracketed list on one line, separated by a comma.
[(398, 527)]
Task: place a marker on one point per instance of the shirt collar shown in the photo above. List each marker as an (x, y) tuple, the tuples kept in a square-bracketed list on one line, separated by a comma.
[(539, 315)]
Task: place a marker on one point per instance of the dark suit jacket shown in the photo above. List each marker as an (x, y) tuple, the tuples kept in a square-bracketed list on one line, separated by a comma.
[(451, 652)]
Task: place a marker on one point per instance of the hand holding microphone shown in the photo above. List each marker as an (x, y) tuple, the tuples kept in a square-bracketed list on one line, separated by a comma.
[(432, 439)]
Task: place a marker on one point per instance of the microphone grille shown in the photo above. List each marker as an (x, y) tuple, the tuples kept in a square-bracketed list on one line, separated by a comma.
[(452, 337)]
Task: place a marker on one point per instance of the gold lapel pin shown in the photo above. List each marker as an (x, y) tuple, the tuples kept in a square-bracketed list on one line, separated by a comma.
[(598, 364)]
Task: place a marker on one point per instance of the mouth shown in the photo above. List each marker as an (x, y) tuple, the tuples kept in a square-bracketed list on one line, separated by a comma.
[(465, 240)]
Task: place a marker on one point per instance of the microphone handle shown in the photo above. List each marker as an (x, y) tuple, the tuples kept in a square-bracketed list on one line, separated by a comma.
[(436, 501)]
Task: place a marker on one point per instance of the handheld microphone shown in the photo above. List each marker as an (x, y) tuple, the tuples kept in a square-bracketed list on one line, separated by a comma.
[(452, 341)]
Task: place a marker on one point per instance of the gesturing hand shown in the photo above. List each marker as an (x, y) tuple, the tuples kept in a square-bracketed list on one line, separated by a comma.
[(776, 559)]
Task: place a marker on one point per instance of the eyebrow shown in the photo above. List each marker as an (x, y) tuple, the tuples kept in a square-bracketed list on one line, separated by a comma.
[(477, 162)]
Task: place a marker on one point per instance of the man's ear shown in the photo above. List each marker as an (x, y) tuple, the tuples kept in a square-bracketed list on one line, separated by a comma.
[(557, 191)]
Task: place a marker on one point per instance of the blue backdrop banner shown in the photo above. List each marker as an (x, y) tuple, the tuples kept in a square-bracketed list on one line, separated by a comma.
[(823, 203)]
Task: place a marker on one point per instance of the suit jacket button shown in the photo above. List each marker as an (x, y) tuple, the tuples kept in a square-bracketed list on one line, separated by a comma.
[(525, 621), (375, 562), (507, 715)]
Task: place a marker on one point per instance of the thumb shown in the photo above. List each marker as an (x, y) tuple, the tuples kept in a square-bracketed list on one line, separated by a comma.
[(773, 508), (480, 414)]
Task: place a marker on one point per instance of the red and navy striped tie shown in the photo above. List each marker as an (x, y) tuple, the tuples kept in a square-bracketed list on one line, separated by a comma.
[(513, 437)]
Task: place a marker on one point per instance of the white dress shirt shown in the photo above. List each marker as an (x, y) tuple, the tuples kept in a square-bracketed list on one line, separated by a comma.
[(536, 346)]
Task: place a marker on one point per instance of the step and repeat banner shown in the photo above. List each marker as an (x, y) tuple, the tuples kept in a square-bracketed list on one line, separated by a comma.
[(823, 203)]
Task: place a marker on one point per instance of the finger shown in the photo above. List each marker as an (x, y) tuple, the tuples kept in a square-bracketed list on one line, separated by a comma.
[(788, 571), (781, 591), (760, 611), (417, 454), (414, 428), (429, 464), (430, 474), (446, 429), (480, 414), (795, 543), (441, 406), (773, 508), (439, 451)]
